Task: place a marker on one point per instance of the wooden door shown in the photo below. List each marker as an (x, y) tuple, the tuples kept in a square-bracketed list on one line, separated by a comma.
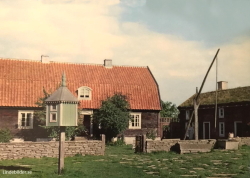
[(86, 123), (238, 129), (206, 130)]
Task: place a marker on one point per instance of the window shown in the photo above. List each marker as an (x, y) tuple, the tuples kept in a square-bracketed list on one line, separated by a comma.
[(53, 117), (187, 114), (135, 122), (221, 112), (84, 93), (25, 119), (221, 129), (53, 113), (53, 107)]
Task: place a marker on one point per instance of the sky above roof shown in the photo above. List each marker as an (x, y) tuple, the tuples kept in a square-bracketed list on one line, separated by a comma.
[(176, 39)]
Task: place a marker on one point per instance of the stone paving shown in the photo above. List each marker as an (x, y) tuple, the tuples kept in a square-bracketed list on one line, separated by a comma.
[(187, 166)]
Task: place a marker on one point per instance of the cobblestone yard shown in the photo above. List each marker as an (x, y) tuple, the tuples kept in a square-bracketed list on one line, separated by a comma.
[(122, 162), (218, 163)]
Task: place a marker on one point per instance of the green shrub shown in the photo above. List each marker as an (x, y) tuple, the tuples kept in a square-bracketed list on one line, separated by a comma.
[(119, 142), (5, 135), (151, 134)]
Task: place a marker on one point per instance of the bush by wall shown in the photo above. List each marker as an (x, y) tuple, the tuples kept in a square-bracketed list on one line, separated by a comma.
[(5, 135)]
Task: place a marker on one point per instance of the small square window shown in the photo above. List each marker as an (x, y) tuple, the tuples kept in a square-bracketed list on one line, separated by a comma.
[(53, 107), (53, 117), (221, 112)]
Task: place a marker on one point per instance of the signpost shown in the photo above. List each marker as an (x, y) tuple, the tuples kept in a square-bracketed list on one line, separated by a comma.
[(61, 111)]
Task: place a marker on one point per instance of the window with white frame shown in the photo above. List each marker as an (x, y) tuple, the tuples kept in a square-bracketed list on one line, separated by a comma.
[(25, 119), (53, 107), (53, 117), (187, 114), (221, 112), (135, 121), (84, 93), (53, 113), (221, 129)]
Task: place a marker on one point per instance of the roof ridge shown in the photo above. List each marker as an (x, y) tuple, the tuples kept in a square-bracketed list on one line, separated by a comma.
[(225, 89), (15, 59), (30, 60), (129, 66), (97, 64), (76, 63)]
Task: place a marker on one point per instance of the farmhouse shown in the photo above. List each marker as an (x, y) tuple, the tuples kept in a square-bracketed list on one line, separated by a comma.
[(22, 83), (233, 113)]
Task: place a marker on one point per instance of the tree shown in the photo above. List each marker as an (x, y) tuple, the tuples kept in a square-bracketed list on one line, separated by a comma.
[(113, 116), (169, 110)]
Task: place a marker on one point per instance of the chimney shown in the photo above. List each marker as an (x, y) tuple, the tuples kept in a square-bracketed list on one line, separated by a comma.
[(43, 59), (108, 63), (222, 85)]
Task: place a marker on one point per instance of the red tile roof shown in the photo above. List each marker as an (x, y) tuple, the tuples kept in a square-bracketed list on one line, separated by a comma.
[(22, 82)]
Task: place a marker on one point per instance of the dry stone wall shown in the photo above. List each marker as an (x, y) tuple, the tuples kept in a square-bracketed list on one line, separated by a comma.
[(181, 146), (50, 149), (160, 145), (242, 140), (194, 146)]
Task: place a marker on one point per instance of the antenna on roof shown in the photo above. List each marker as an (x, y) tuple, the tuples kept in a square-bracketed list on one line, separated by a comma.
[(43, 56)]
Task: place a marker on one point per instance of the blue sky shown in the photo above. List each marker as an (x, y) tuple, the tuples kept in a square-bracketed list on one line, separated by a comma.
[(176, 39), (211, 22)]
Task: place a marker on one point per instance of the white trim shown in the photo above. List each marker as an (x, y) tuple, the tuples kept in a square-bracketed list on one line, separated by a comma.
[(139, 120), (235, 128), (51, 107), (76, 115), (204, 129), (86, 112), (20, 112), (51, 117), (47, 115), (221, 128), (221, 112), (61, 112), (82, 93)]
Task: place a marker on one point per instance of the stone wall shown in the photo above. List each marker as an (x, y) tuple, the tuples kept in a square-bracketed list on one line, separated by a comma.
[(187, 146), (195, 146), (160, 145), (51, 149), (181, 146), (243, 140)]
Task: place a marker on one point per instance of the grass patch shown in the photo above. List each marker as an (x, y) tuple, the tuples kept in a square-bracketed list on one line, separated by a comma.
[(122, 162)]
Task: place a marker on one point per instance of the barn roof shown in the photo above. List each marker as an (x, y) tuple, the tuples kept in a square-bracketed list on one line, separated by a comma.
[(233, 95), (22, 83)]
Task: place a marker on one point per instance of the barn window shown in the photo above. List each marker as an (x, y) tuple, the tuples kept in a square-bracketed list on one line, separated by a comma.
[(221, 129), (135, 121), (187, 114), (221, 112), (25, 119), (84, 93)]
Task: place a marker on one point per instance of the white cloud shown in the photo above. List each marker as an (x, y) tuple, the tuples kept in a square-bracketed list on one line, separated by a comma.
[(90, 31)]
